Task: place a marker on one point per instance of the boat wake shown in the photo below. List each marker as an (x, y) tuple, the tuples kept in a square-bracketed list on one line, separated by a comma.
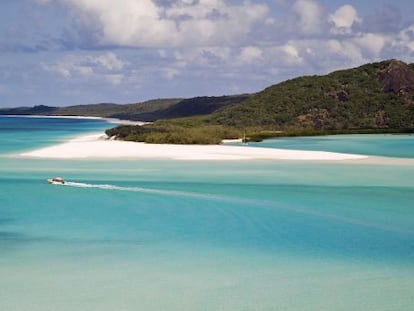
[(149, 191), (244, 202)]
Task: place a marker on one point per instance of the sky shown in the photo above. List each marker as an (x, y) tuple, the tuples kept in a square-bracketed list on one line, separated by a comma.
[(69, 52)]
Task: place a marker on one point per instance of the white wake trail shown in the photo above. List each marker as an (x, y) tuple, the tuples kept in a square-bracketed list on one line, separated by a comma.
[(245, 201), (148, 190)]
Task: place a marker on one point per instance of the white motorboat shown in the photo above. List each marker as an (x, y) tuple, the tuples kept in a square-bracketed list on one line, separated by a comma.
[(56, 181)]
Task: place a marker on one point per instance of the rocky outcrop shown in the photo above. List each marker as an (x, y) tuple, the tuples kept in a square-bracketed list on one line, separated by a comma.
[(315, 118), (339, 95), (398, 78)]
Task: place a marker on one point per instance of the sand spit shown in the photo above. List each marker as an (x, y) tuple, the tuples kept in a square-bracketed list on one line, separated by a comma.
[(98, 146)]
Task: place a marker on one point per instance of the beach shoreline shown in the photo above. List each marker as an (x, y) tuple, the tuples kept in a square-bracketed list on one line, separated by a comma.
[(99, 146)]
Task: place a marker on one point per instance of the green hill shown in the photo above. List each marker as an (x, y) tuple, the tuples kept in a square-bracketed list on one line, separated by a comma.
[(151, 110), (137, 112), (35, 110), (176, 108), (373, 96)]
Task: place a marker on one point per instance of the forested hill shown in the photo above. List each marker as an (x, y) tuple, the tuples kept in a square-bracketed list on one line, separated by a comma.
[(377, 97), (146, 111), (373, 96)]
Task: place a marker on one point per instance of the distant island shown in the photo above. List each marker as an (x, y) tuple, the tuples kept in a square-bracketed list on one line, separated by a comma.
[(373, 98)]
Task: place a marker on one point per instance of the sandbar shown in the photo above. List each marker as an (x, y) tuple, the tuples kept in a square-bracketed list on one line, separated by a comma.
[(98, 146)]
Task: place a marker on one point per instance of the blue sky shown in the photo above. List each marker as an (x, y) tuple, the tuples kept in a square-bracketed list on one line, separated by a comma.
[(67, 52)]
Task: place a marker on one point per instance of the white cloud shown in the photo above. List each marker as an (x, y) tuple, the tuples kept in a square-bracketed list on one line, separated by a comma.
[(221, 53), (277, 56), (115, 78), (346, 51), (371, 43), (344, 18), (170, 72), (310, 14), (146, 24), (290, 50), (318, 56), (250, 54), (122, 24), (70, 66), (107, 66), (405, 39), (175, 62), (204, 46), (313, 56), (109, 61)]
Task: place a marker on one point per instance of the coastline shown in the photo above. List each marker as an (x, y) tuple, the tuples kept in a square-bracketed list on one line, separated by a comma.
[(109, 120), (98, 146)]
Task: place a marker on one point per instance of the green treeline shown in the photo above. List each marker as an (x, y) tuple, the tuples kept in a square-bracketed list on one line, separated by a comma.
[(164, 133), (373, 98)]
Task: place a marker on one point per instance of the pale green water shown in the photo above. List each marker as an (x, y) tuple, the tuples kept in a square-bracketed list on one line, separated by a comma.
[(173, 235)]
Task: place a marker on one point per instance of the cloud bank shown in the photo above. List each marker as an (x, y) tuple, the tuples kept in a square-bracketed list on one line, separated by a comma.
[(134, 50), (148, 23), (250, 29)]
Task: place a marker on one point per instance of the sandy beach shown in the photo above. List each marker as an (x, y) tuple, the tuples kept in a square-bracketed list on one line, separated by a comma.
[(98, 146)]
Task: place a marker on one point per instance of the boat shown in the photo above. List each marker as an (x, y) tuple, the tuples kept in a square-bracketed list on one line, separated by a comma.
[(56, 181)]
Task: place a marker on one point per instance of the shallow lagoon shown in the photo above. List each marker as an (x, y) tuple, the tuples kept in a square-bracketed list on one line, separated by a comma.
[(386, 145), (240, 235)]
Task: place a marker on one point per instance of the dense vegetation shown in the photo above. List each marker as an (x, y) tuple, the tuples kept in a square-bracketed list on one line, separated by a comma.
[(170, 133), (147, 111), (373, 98), (36, 110)]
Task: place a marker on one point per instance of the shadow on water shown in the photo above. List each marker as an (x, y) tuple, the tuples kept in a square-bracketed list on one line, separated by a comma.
[(13, 240), (5, 221), (10, 240)]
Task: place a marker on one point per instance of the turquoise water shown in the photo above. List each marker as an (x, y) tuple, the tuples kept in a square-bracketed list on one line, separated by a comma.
[(20, 133), (387, 145), (202, 235)]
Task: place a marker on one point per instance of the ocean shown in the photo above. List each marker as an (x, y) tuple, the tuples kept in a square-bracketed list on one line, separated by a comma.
[(205, 235)]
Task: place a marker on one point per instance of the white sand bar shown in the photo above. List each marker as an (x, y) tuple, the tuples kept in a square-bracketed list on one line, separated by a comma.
[(96, 146)]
